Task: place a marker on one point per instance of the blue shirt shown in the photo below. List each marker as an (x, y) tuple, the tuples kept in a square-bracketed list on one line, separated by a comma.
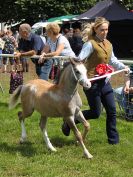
[(88, 49), (34, 42)]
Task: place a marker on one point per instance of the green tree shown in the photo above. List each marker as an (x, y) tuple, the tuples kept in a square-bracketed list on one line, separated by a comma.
[(35, 10)]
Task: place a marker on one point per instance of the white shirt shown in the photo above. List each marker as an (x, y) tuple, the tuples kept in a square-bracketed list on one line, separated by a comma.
[(67, 51)]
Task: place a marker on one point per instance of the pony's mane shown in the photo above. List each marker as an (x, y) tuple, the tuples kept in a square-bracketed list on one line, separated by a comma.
[(62, 71)]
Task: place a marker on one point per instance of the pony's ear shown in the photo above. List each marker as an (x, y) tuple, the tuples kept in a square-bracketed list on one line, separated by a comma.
[(84, 61), (74, 61)]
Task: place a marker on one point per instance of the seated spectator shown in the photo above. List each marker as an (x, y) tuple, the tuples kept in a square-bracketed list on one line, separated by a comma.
[(124, 98)]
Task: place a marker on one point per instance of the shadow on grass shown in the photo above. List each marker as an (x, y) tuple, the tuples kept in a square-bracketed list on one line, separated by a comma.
[(2, 104), (28, 150), (25, 149), (60, 142)]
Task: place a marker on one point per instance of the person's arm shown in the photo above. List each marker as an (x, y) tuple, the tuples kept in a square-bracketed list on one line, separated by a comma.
[(86, 51), (36, 46), (55, 53), (126, 88), (29, 53), (24, 54), (51, 54), (46, 49), (116, 63)]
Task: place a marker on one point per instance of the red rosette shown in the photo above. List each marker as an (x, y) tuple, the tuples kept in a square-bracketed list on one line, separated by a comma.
[(102, 69), (110, 69)]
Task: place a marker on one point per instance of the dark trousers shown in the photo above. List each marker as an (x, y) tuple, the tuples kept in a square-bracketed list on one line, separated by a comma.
[(102, 92)]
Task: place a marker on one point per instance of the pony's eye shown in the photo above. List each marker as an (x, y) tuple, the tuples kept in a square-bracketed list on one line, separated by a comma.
[(77, 72)]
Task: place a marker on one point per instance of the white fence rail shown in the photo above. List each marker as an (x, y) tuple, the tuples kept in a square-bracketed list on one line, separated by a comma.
[(124, 60)]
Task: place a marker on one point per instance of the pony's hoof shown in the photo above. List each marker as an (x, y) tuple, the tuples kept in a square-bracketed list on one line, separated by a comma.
[(53, 149), (87, 155), (77, 143), (90, 156), (22, 140)]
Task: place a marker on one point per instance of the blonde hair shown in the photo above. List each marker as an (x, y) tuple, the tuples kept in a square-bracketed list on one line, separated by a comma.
[(99, 21), (53, 27), (89, 30)]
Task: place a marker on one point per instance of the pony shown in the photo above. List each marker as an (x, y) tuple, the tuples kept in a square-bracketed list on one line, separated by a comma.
[(55, 100)]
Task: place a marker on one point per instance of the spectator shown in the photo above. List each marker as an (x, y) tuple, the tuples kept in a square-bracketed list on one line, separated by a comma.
[(40, 33), (57, 45), (30, 44), (76, 41), (9, 48), (124, 97), (2, 43)]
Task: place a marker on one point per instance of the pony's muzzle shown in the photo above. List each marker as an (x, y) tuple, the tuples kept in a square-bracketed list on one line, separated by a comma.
[(85, 83)]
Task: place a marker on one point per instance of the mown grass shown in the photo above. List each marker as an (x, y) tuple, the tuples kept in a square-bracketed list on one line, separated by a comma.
[(32, 159)]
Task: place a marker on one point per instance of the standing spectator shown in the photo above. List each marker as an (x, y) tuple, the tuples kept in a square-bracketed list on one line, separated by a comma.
[(98, 50), (67, 32), (30, 44), (24, 61), (40, 33), (17, 36), (76, 41), (57, 45), (9, 48), (2, 43)]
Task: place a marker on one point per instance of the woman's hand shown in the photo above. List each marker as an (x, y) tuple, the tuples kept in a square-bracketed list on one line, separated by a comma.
[(127, 70), (17, 54), (42, 58), (127, 87)]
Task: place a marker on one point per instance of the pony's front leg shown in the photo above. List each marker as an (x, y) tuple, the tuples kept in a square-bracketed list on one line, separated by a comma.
[(23, 130), (79, 116), (78, 136), (42, 124)]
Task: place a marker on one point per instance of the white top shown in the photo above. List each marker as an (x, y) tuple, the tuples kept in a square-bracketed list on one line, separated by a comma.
[(67, 51)]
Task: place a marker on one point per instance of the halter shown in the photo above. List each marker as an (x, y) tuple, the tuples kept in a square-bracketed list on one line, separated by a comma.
[(74, 73), (79, 80)]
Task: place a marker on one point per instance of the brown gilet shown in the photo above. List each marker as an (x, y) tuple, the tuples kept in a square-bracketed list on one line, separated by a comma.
[(101, 55)]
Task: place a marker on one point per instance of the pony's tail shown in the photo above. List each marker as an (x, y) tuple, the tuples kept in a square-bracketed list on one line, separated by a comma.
[(15, 96)]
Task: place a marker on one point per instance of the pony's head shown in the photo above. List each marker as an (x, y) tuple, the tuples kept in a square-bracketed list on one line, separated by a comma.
[(80, 73)]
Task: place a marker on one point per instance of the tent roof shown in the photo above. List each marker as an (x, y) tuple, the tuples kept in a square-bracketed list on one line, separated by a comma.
[(40, 24), (61, 18), (110, 9)]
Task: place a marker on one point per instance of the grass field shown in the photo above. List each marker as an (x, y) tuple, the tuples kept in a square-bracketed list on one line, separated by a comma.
[(32, 159)]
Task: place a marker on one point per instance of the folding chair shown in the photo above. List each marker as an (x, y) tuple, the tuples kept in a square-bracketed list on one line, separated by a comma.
[(125, 103)]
